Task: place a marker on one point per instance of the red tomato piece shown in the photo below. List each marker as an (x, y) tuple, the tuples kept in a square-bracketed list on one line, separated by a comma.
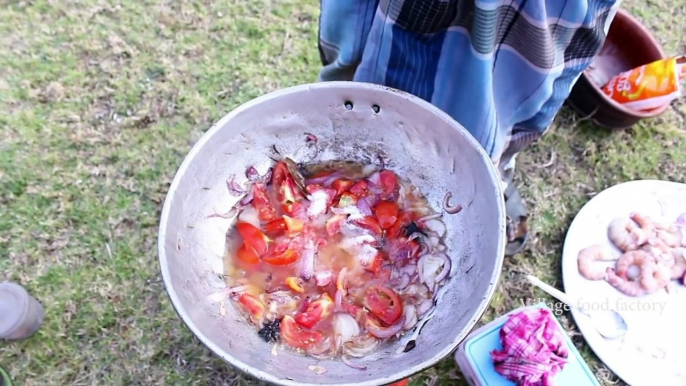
[(360, 189), (284, 252), (341, 185), (384, 303), (355, 311), (279, 174), (253, 305), (396, 230), (295, 283), (375, 266), (387, 213), (253, 237), (295, 336), (316, 311), (260, 201), (275, 226), (347, 199), (404, 382), (370, 222), (389, 181), (293, 225), (247, 255)]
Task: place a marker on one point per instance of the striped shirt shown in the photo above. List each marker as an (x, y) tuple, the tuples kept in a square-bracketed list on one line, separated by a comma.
[(501, 68)]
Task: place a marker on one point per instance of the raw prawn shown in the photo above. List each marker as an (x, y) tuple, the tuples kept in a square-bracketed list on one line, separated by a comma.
[(679, 267), (668, 234), (631, 264), (655, 277), (588, 261), (627, 287), (626, 234)]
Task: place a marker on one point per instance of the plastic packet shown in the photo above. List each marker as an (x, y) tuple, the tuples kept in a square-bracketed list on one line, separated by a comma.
[(649, 86)]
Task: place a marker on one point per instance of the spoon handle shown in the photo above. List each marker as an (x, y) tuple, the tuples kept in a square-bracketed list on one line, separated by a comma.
[(561, 296)]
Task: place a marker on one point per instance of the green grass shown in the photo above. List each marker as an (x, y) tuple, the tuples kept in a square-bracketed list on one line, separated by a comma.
[(99, 103)]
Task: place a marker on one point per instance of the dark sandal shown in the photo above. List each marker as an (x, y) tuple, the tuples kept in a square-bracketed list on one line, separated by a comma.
[(517, 217)]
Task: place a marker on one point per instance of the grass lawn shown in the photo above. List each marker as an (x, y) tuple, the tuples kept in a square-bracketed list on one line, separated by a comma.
[(101, 100)]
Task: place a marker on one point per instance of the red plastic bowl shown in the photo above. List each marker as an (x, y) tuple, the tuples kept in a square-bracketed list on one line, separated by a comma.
[(628, 45)]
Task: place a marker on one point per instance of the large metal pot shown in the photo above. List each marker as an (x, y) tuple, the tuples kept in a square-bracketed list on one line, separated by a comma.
[(353, 121)]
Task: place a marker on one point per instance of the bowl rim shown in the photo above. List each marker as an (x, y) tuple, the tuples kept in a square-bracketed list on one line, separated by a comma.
[(269, 377), (616, 105)]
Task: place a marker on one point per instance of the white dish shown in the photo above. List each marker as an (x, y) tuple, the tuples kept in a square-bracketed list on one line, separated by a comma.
[(654, 348)]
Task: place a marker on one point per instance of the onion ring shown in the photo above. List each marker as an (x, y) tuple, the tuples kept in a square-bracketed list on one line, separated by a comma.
[(446, 204), (234, 187), (252, 174), (385, 332), (350, 364)]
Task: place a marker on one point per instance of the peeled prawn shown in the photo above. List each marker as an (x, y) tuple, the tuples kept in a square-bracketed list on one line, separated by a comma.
[(588, 261), (626, 234), (630, 265), (679, 268), (627, 287), (668, 234), (655, 277)]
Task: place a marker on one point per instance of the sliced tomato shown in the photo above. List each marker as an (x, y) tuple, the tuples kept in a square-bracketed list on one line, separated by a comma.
[(376, 264), (275, 226), (360, 188), (279, 174), (347, 199), (370, 222), (315, 312), (260, 201), (333, 224), (404, 219), (295, 283), (253, 305), (356, 311), (389, 181), (384, 303), (404, 382), (253, 237), (247, 255), (283, 252), (295, 336), (386, 213), (341, 185), (293, 225)]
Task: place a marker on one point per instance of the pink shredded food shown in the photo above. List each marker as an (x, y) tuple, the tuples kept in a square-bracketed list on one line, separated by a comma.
[(534, 349)]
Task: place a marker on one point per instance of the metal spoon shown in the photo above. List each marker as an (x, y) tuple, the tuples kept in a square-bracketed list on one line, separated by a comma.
[(609, 323)]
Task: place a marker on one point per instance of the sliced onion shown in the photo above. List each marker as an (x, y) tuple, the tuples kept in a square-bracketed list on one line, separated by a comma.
[(434, 241), (447, 207), (345, 327), (430, 217), (306, 264), (252, 174), (228, 214), (234, 187), (361, 346), (321, 348), (309, 137), (409, 269), (375, 179), (404, 282), (338, 300), (373, 199), (435, 226), (424, 306), (681, 220), (247, 199), (385, 332), (350, 364), (364, 207), (430, 271), (410, 313)]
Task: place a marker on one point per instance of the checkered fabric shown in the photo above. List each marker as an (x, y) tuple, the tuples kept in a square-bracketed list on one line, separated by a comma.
[(501, 68)]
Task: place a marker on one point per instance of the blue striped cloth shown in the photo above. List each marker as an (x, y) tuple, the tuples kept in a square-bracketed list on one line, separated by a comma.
[(500, 68)]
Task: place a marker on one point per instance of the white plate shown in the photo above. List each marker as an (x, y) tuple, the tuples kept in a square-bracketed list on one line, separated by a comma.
[(656, 322)]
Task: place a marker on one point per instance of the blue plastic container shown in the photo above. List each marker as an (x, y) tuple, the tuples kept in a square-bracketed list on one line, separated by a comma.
[(474, 358)]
